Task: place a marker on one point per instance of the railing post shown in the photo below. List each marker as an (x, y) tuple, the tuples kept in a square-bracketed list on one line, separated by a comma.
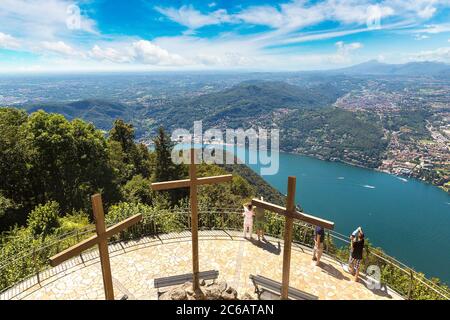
[(411, 280), (304, 234), (36, 265)]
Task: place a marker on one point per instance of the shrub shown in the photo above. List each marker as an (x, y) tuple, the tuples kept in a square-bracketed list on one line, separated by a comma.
[(43, 220)]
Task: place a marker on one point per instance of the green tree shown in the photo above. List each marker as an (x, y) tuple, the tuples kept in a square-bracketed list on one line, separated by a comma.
[(134, 158), (138, 189), (5, 205), (124, 134), (69, 161), (164, 168), (14, 181), (43, 220)]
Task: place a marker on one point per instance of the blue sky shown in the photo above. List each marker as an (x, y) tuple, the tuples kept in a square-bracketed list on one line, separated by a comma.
[(144, 35)]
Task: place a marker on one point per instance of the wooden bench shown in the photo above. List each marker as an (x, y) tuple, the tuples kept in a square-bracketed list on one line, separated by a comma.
[(183, 278), (263, 284)]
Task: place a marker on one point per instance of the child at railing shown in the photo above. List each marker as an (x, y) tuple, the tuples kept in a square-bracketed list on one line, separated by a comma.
[(248, 219)]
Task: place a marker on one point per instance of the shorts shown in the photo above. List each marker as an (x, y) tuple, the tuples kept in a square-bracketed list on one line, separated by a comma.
[(259, 224), (355, 262)]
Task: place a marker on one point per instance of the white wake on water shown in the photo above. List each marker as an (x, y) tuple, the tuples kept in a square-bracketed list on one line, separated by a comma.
[(368, 186)]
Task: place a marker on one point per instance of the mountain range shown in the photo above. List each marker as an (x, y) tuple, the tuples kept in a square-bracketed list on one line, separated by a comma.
[(374, 67)]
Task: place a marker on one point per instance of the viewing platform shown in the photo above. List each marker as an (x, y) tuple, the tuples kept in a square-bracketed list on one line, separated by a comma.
[(136, 263)]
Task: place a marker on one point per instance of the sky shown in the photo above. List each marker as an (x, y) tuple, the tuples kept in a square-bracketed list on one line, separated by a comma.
[(146, 35)]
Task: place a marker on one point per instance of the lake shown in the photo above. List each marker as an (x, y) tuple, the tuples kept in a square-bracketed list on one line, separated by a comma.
[(409, 219)]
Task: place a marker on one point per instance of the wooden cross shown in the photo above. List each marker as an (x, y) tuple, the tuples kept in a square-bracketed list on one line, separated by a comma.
[(192, 183), (101, 239), (290, 213)]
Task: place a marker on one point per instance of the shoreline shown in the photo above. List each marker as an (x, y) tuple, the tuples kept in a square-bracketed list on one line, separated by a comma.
[(223, 144)]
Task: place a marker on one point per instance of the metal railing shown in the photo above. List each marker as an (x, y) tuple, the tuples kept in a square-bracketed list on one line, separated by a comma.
[(396, 275)]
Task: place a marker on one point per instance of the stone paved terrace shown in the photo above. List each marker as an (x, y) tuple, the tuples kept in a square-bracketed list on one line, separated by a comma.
[(136, 263)]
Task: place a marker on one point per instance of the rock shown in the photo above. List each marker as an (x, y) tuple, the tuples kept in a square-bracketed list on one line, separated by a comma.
[(189, 291), (210, 291), (202, 282), (165, 296), (178, 294), (247, 296), (174, 294), (213, 293), (187, 285), (229, 296), (222, 285)]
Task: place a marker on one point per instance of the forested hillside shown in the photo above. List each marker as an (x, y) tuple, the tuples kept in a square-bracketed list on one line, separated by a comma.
[(249, 103), (334, 133), (49, 160)]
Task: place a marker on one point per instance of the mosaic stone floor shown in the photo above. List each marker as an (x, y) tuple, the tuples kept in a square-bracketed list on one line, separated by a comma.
[(136, 263)]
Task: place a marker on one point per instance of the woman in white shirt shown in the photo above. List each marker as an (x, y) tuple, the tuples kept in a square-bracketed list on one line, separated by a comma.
[(248, 219)]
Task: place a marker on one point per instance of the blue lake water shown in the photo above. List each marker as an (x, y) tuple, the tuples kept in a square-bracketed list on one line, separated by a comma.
[(409, 219)]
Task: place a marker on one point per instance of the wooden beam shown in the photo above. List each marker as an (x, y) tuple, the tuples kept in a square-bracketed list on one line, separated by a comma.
[(73, 251), (92, 241), (186, 183), (316, 221), (296, 214), (99, 216), (128, 222), (288, 229), (269, 206), (215, 179)]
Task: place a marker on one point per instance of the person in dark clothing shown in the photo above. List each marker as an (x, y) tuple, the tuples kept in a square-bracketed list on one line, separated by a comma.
[(357, 254), (319, 236)]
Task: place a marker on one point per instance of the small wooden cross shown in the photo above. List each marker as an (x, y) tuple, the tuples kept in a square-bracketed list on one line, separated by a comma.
[(101, 239), (290, 213), (192, 183)]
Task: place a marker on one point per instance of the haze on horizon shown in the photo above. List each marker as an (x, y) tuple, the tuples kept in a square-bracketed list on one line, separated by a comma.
[(250, 35)]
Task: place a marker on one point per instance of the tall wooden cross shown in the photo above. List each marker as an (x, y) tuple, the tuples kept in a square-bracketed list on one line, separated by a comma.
[(290, 213), (101, 239), (192, 183)]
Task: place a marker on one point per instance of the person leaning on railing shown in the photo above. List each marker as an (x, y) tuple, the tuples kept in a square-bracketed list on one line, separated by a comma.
[(353, 236), (356, 253), (319, 236)]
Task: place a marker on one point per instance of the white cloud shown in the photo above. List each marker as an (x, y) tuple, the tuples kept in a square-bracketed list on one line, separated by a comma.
[(424, 9), (109, 54), (140, 51), (146, 52), (8, 42), (61, 48), (434, 28), (263, 15), (421, 37), (42, 19), (344, 51), (440, 55), (194, 19), (287, 16)]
